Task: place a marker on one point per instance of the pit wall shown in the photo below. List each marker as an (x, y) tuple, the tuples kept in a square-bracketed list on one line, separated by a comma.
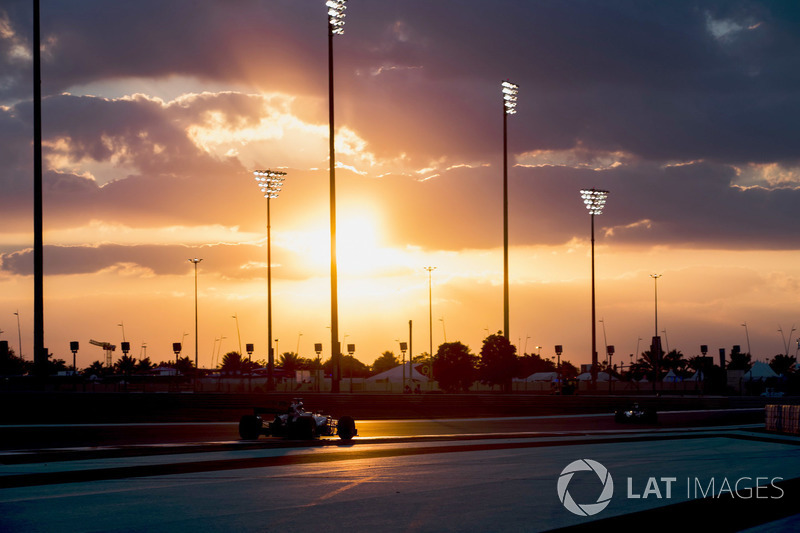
[(124, 407)]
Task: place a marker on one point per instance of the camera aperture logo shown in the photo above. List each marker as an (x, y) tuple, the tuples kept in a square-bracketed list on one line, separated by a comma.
[(585, 509)]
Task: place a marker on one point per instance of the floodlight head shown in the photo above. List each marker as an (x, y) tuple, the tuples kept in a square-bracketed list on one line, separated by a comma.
[(269, 182), (336, 16), (509, 97), (594, 200)]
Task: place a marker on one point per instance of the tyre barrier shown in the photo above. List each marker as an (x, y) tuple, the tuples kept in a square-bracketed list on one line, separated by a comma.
[(782, 418)]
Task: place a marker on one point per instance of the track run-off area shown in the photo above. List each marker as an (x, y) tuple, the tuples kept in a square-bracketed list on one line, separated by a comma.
[(480, 474)]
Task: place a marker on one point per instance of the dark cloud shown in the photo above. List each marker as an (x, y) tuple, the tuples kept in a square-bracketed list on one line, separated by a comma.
[(708, 82), (230, 261), (652, 79)]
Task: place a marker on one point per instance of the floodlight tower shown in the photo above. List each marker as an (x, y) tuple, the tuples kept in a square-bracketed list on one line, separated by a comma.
[(509, 108), (430, 269), (336, 16), (594, 200), (270, 183)]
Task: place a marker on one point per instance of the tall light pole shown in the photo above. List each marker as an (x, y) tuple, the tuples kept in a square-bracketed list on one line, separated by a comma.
[(39, 351), (19, 333), (594, 200), (655, 348), (430, 310), (336, 16), (238, 333), (655, 294), (786, 344), (509, 108), (194, 261), (605, 339), (747, 336), (269, 183)]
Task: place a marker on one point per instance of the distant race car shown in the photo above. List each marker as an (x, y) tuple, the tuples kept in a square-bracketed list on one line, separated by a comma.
[(636, 415), (295, 423)]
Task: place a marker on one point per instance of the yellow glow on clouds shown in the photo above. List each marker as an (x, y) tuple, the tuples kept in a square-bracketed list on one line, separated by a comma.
[(99, 232)]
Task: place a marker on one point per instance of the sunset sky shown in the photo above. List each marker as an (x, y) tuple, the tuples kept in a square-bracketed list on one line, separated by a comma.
[(155, 114)]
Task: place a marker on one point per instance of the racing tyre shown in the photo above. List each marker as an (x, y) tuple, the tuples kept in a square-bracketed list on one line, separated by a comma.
[(619, 416), (249, 427), (346, 428)]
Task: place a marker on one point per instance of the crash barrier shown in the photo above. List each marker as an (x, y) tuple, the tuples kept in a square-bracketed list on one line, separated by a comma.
[(782, 418)]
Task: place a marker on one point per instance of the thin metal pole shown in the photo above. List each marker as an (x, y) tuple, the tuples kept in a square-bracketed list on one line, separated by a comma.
[(39, 355), (335, 348), (655, 279), (270, 354), (594, 325), (505, 224), (19, 334), (410, 347), (196, 350), (656, 347), (430, 314), (430, 310), (238, 334)]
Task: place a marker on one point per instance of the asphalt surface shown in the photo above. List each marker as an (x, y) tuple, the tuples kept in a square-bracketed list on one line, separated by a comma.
[(448, 477), (41, 436)]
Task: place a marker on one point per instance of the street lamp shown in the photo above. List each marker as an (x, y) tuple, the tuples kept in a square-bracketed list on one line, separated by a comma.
[(336, 16), (269, 183), (655, 348), (430, 310), (594, 200), (73, 347), (559, 350), (403, 348), (19, 333), (605, 339), (747, 335), (509, 104), (238, 333), (194, 261)]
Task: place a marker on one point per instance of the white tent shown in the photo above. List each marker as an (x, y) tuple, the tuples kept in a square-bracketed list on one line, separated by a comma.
[(671, 377), (543, 376), (697, 376), (759, 371), (601, 376), (395, 375)]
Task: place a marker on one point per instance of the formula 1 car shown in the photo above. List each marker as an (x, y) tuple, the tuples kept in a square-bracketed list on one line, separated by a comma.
[(636, 415), (295, 423)]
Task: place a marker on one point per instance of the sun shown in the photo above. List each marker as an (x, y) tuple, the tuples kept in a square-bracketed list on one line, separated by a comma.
[(360, 247)]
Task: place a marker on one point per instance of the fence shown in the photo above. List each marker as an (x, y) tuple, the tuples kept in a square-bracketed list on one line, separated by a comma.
[(783, 418)]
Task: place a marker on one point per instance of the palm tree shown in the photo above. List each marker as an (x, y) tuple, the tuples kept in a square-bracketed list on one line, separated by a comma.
[(673, 361), (125, 365), (386, 361), (783, 364), (231, 363), (96, 369), (289, 362), (739, 360), (144, 365)]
